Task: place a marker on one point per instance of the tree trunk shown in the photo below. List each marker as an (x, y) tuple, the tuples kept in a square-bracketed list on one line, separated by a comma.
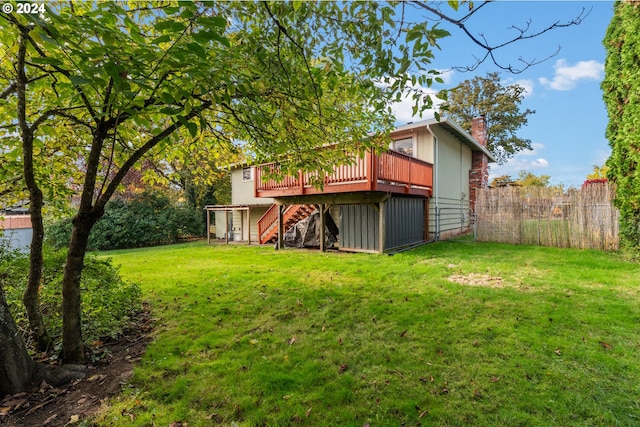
[(72, 346), (18, 372), (31, 297)]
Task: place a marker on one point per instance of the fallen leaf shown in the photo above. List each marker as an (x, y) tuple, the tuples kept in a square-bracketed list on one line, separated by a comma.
[(403, 333), (495, 379), (308, 412), (292, 340), (423, 414), (340, 341), (74, 419), (343, 368), (253, 342), (605, 345), (286, 397), (96, 377), (210, 416), (4, 410), (48, 420), (558, 352)]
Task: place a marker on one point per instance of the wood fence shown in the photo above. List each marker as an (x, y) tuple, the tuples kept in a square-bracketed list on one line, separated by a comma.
[(580, 218)]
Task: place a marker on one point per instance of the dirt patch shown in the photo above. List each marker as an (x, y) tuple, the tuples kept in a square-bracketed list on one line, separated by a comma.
[(477, 279), (82, 399)]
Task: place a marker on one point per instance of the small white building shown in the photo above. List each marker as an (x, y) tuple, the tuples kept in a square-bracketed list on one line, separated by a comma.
[(15, 230)]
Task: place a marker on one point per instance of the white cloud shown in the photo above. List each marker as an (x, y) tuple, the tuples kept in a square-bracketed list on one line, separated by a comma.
[(567, 76), (536, 148), (403, 110), (530, 160), (527, 84), (539, 164)]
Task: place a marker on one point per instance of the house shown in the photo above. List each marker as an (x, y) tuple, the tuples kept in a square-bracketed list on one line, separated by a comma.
[(15, 229), (422, 189)]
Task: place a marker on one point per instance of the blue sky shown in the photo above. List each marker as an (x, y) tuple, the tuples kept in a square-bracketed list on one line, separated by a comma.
[(568, 129)]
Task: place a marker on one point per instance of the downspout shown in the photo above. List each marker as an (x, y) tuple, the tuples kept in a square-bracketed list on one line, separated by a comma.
[(436, 185)]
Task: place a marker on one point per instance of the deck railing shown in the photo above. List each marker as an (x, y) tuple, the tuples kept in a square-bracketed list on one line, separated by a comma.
[(390, 171)]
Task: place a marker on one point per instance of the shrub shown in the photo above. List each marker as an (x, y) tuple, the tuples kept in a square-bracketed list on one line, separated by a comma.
[(107, 301), (149, 219)]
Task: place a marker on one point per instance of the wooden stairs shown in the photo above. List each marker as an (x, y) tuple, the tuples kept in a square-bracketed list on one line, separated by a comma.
[(268, 223)]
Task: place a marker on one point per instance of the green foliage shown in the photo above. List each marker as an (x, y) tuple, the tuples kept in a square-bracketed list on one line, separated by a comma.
[(148, 219), (500, 105), (459, 334), (621, 92), (525, 179), (107, 303), (599, 172), (529, 179)]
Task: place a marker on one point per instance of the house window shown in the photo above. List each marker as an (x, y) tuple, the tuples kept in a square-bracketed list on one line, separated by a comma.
[(404, 146), (247, 174)]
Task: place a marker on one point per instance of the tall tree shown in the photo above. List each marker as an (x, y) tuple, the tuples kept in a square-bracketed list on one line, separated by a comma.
[(134, 80), (500, 105), (621, 92), (31, 297)]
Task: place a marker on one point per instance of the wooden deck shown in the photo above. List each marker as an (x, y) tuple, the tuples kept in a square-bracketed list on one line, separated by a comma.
[(389, 172)]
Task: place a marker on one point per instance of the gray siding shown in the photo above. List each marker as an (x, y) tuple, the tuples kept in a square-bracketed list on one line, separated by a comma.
[(404, 224), (359, 227), (404, 221)]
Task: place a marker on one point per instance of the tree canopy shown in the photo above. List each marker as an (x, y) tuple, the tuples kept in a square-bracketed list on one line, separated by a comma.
[(500, 105), (621, 92), (129, 81)]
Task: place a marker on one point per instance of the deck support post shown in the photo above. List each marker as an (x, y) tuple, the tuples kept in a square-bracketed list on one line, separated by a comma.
[(281, 209), (322, 227), (226, 226), (249, 224), (208, 226), (383, 226)]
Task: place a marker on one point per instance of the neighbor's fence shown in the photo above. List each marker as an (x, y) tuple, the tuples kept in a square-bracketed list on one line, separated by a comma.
[(580, 218)]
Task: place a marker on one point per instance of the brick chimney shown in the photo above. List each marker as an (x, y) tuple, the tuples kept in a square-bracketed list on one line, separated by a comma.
[(479, 173)]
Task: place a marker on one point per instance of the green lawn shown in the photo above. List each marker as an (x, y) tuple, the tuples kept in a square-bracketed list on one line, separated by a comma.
[(526, 336)]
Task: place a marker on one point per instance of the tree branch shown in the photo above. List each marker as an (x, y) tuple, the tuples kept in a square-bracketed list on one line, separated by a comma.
[(137, 155), (304, 56), (489, 49)]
